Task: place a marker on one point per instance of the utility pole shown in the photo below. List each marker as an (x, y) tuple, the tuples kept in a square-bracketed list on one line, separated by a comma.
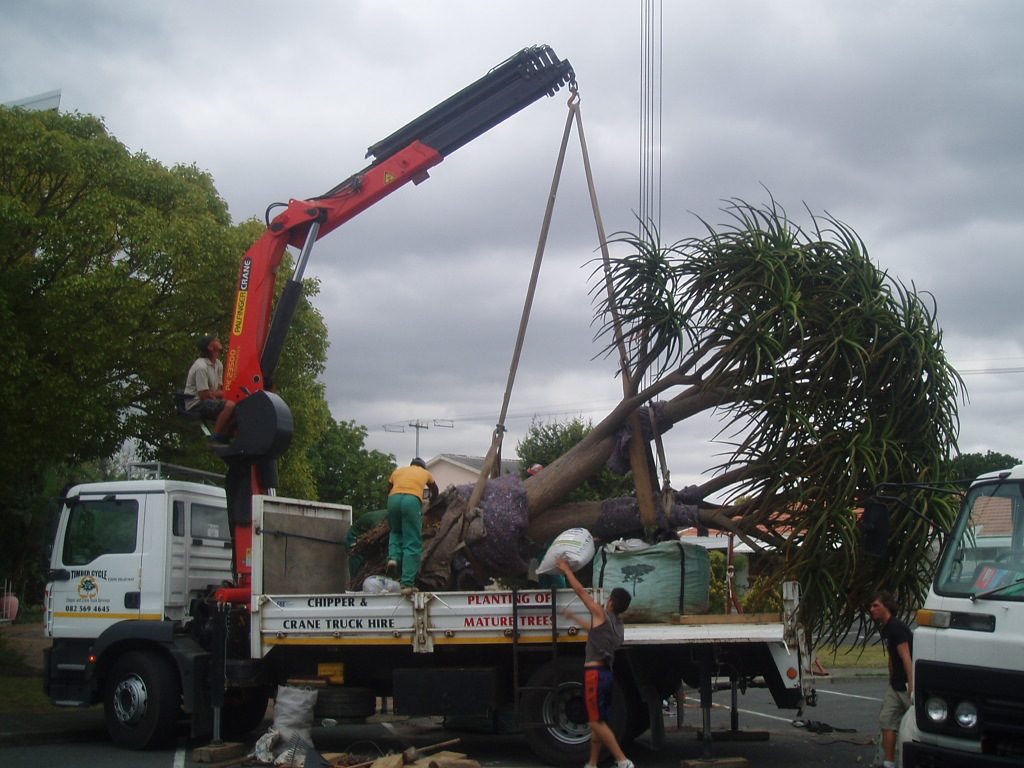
[(419, 424)]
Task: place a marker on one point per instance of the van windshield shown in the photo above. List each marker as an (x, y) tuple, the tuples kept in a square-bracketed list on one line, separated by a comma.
[(985, 553)]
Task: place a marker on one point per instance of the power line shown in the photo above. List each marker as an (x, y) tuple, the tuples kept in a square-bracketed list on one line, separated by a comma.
[(603, 406), (986, 371), (418, 425)]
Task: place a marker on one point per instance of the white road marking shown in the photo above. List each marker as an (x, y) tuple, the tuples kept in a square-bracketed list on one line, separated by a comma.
[(715, 705), (179, 757), (762, 714), (848, 695)]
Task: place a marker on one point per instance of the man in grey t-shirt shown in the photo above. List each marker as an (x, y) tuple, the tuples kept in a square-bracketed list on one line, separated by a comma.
[(604, 636), (204, 387)]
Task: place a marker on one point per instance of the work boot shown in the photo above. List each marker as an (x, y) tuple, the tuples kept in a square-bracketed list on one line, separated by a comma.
[(409, 591)]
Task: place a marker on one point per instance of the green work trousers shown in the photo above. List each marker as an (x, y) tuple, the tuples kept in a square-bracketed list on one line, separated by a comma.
[(405, 542)]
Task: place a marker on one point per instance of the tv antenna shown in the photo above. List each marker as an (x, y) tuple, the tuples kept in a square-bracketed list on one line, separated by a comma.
[(418, 425)]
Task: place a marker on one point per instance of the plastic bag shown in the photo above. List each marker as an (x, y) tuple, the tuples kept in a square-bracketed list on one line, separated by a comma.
[(628, 545), (576, 545), (377, 585)]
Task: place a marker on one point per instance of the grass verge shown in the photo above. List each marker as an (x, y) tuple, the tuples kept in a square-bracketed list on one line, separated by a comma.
[(23, 694), (847, 657)]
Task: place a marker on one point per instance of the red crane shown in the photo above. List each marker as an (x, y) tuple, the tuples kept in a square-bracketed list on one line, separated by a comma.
[(263, 421)]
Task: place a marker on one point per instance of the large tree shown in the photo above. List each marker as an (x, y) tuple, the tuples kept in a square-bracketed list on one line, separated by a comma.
[(111, 265), (346, 472), (827, 374), (546, 441), (968, 466)]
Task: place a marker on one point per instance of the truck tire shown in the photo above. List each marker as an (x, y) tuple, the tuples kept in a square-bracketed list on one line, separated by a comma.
[(141, 701), (244, 709), (345, 703), (555, 721)]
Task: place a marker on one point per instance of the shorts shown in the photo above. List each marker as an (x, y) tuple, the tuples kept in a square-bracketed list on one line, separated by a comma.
[(894, 704), (209, 409), (597, 692)]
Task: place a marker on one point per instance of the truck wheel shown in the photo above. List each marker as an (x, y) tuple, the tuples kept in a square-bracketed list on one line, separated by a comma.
[(141, 701), (243, 711), (345, 703), (555, 721)]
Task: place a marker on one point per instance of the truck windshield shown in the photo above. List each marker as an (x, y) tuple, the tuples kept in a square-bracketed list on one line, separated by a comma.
[(99, 527), (985, 552)]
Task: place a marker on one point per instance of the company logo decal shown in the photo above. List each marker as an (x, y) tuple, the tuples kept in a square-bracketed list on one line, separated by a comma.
[(88, 587)]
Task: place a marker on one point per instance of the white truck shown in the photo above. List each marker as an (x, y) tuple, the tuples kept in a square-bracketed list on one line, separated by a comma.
[(968, 707), (134, 625)]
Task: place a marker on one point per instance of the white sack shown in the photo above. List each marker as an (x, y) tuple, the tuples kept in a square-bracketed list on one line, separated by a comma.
[(576, 545), (293, 720)]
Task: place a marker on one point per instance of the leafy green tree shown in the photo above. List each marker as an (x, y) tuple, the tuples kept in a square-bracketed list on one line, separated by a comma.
[(346, 472), (111, 265), (546, 441), (968, 466)]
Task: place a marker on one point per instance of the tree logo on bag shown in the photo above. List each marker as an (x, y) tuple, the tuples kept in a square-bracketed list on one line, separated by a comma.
[(634, 574)]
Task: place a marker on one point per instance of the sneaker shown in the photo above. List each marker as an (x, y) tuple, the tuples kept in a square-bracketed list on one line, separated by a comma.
[(624, 764), (391, 569)]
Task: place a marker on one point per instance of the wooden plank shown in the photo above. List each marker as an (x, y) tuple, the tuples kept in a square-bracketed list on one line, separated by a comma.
[(437, 757), (219, 753)]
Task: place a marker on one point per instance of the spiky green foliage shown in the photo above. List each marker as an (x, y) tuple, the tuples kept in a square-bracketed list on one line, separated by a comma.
[(827, 374)]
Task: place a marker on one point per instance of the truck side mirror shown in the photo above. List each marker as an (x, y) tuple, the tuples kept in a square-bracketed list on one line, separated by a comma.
[(874, 528), (54, 525)]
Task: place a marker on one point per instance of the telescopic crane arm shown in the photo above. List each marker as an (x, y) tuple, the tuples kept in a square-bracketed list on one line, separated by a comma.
[(406, 155), (263, 420)]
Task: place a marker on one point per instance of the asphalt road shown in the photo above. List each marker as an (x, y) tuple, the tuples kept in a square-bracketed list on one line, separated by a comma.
[(843, 703)]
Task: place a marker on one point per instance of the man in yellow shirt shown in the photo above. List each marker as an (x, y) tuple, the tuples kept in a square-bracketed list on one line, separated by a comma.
[(405, 516)]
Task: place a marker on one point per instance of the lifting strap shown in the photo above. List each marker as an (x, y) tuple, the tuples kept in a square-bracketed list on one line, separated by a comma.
[(640, 458), (666, 479), (639, 452), (492, 462)]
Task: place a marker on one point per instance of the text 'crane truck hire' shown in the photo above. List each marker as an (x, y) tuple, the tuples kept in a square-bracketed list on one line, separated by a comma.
[(172, 600)]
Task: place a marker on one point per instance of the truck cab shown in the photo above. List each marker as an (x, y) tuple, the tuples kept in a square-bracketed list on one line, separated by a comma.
[(969, 642), (129, 561)]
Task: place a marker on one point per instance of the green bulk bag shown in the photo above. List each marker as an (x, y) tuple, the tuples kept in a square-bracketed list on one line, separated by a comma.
[(665, 579)]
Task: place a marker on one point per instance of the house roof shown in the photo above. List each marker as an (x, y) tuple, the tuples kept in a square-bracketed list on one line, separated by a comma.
[(474, 463), (715, 540)]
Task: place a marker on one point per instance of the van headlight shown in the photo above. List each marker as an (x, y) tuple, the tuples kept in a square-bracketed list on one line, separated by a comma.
[(937, 710), (966, 715)]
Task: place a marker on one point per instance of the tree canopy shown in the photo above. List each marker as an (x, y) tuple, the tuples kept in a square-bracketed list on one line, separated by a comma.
[(968, 466), (828, 377), (112, 266), (546, 441), (346, 472)]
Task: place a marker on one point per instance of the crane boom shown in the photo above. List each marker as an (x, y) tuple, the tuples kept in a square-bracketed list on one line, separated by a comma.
[(263, 421)]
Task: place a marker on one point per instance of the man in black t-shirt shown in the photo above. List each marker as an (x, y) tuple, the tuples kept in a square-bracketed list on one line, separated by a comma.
[(899, 643)]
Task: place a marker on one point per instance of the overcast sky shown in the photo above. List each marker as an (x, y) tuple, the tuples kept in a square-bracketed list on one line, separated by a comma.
[(903, 119)]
